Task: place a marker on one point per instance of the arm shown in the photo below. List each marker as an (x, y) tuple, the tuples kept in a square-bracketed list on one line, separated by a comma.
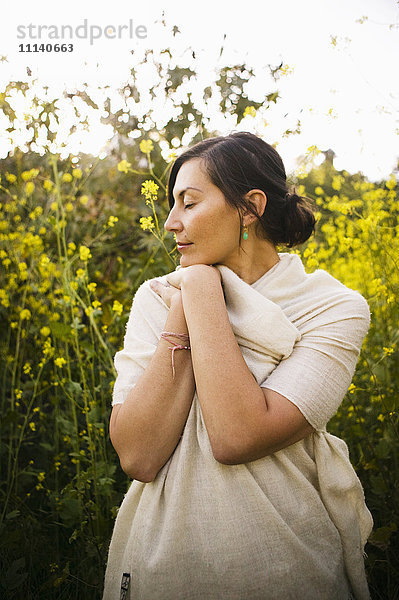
[(244, 421), (146, 428)]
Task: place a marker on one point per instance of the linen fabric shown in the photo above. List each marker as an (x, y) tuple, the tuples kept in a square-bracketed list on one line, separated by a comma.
[(290, 525)]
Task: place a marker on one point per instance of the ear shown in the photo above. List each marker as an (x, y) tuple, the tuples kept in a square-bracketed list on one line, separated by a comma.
[(258, 199)]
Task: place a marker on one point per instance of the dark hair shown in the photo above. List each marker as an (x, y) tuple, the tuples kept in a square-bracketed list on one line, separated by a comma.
[(240, 162)]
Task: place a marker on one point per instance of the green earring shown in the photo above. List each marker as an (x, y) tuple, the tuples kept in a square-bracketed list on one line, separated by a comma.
[(245, 234)]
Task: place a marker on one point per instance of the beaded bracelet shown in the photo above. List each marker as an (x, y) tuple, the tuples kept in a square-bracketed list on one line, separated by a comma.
[(183, 336)]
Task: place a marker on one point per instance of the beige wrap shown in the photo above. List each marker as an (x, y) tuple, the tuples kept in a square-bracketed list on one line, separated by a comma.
[(292, 525)]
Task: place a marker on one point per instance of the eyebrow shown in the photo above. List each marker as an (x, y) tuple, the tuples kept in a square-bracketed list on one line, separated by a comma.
[(190, 187)]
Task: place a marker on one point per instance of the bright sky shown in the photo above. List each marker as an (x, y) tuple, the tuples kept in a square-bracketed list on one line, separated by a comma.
[(346, 96)]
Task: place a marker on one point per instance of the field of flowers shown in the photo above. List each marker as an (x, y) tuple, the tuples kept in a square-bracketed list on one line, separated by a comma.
[(77, 238)]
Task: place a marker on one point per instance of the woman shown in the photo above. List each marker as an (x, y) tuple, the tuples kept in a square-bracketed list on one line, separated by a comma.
[(231, 367)]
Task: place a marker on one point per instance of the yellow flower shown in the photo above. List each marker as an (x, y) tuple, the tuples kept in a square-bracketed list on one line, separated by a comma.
[(72, 246), (11, 177), (146, 223), (25, 314), (32, 426), (53, 205), (45, 331), (18, 394), (41, 476), (48, 185), (77, 173), (171, 156), (112, 220), (388, 351), (117, 307), (149, 189), (146, 146), (250, 111), (92, 286), (59, 362), (80, 273), (83, 200), (69, 207), (96, 304), (29, 188), (42, 230), (84, 253), (66, 178), (27, 368), (28, 175), (124, 166), (319, 191)]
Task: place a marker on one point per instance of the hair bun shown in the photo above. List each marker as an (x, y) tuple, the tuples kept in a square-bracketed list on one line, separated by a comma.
[(292, 199)]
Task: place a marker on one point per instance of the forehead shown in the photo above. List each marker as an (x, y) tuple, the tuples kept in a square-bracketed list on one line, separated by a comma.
[(191, 174)]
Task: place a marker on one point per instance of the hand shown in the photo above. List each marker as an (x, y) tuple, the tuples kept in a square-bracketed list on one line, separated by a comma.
[(167, 292), (183, 274)]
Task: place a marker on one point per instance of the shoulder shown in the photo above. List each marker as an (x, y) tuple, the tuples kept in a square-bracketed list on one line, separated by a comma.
[(340, 302)]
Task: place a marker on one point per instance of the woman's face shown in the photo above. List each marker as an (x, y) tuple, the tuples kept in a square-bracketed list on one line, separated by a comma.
[(201, 217)]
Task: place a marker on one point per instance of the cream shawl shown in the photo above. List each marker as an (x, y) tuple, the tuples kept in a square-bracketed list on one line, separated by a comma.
[(290, 525)]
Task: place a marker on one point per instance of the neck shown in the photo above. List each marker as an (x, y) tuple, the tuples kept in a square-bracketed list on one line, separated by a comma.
[(254, 260)]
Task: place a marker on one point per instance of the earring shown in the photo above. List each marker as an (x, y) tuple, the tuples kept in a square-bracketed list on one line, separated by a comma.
[(245, 234)]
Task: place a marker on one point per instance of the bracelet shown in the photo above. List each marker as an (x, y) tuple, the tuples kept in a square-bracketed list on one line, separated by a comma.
[(183, 336)]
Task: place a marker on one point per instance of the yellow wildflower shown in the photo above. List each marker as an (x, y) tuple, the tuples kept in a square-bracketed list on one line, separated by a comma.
[(92, 286), (112, 220), (96, 304), (149, 189), (66, 178), (69, 207), (45, 331), (53, 205), (59, 362), (146, 146), (77, 173), (32, 426), (319, 191), (146, 223), (80, 273), (388, 351), (84, 253), (48, 185), (124, 166), (29, 188), (11, 177), (41, 476), (25, 314), (117, 307), (28, 175), (27, 368), (250, 111), (42, 230), (83, 200)]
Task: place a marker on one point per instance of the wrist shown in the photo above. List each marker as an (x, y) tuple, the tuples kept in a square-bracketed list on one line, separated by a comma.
[(201, 273)]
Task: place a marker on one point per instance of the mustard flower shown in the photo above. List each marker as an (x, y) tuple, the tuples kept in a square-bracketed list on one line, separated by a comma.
[(45, 331), (250, 111), (124, 166), (92, 286), (53, 205), (80, 273), (28, 175), (48, 185), (84, 253), (11, 177), (32, 426), (25, 314), (77, 173), (96, 304), (29, 188), (83, 200), (112, 220), (69, 207), (147, 223), (66, 178), (149, 189), (146, 146), (117, 307), (59, 362)]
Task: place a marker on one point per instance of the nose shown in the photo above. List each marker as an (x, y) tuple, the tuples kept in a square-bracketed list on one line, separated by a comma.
[(172, 223)]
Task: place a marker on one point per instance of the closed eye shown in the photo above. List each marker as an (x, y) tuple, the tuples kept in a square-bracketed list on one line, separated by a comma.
[(188, 205)]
